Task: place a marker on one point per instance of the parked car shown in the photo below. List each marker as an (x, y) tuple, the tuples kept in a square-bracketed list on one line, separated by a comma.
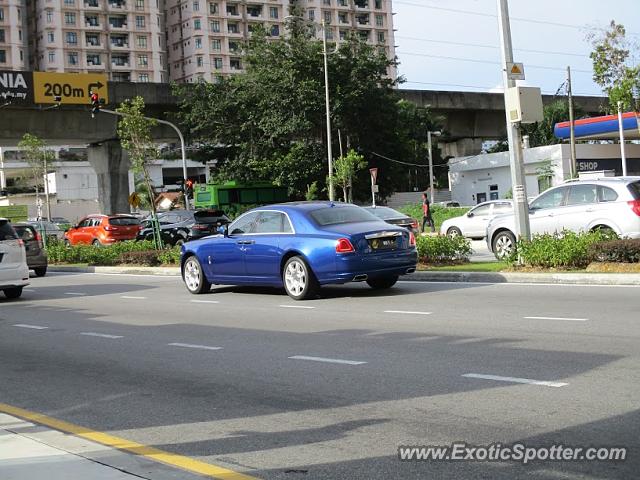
[(14, 273), (395, 217), (62, 223), (448, 204), (474, 223), (174, 227), (51, 230), (206, 222), (34, 248), (103, 230), (611, 203), (301, 246)]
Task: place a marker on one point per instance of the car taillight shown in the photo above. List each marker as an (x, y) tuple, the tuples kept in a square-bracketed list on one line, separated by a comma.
[(109, 228), (344, 246), (414, 223), (635, 206), (412, 239), (38, 237)]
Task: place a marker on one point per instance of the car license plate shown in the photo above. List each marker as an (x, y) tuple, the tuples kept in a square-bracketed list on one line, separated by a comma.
[(382, 243)]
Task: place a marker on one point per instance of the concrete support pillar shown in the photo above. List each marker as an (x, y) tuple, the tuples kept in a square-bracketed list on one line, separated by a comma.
[(462, 148), (111, 165)]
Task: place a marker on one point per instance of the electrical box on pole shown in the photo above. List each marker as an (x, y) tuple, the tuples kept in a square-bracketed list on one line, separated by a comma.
[(524, 104)]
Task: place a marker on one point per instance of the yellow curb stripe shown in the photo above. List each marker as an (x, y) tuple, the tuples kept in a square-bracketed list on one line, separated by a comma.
[(172, 459)]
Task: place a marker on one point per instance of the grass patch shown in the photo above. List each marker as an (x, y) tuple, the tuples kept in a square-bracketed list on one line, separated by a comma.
[(487, 267)]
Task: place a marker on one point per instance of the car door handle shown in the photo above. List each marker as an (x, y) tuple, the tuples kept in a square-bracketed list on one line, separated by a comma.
[(590, 210), (246, 242)]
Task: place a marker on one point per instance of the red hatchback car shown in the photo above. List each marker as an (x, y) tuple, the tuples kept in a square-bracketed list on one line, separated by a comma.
[(103, 230)]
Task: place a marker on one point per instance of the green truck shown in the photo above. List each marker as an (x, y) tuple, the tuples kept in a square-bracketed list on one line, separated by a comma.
[(231, 195)]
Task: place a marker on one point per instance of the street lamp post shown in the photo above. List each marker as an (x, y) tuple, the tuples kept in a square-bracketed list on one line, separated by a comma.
[(432, 189), (326, 90), (623, 153)]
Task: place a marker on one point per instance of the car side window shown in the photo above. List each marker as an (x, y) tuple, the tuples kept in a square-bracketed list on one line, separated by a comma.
[(499, 208), (84, 223), (481, 210), (26, 234), (582, 195), (606, 194), (272, 222), (96, 222), (550, 199), (244, 224)]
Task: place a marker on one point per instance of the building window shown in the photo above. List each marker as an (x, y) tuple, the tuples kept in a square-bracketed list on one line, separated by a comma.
[(139, 22), (217, 63), (198, 42), (72, 38), (93, 59), (142, 42), (214, 26), (20, 35), (21, 55), (379, 4), (273, 12), (379, 21), (70, 18), (343, 3), (312, 15), (216, 44), (52, 57), (143, 77), (196, 6), (73, 58), (327, 2), (3, 56), (49, 16), (69, 2), (199, 61), (143, 61), (93, 39), (233, 28), (275, 30), (381, 38), (214, 8), (327, 17), (51, 37), (2, 16), (196, 24), (2, 37), (139, 4), (235, 64), (343, 34)]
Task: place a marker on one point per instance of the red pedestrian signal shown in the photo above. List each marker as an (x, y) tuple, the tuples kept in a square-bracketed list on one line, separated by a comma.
[(95, 104)]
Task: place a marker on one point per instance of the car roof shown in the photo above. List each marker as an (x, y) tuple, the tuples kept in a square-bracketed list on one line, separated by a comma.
[(305, 206)]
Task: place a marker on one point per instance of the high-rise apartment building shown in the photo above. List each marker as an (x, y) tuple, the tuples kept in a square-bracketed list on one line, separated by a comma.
[(123, 38), (13, 35), (204, 36)]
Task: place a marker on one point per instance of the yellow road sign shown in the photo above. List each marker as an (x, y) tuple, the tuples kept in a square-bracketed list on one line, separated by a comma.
[(134, 200), (72, 88)]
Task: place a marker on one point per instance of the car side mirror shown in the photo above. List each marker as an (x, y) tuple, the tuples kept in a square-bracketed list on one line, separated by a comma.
[(470, 214), (223, 229)]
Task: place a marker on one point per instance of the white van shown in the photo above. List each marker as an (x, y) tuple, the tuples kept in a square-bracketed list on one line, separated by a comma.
[(14, 273)]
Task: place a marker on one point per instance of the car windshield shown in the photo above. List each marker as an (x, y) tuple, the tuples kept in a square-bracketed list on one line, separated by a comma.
[(385, 213), (635, 189), (124, 221), (339, 215), (6, 231), (209, 216)]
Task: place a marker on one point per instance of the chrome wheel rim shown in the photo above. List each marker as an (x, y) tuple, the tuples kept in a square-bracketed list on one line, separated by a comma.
[(504, 246), (453, 233), (192, 274), (295, 278)]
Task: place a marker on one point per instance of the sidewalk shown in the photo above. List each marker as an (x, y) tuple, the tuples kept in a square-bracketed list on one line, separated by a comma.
[(33, 452)]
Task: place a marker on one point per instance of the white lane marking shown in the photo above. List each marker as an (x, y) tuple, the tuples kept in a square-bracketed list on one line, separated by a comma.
[(75, 293), (515, 380), (189, 345), (296, 306), (521, 284), (30, 290), (405, 312), (131, 297), (205, 301), (33, 327), (563, 319), (326, 360), (102, 335)]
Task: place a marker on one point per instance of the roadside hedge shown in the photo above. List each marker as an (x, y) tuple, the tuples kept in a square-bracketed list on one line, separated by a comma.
[(618, 251), (443, 249), (130, 252), (565, 249), (439, 213)]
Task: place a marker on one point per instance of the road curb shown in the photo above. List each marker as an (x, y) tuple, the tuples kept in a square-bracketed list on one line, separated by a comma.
[(631, 279)]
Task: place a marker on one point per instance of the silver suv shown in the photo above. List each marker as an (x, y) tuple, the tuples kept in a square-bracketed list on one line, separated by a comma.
[(580, 205), (14, 274)]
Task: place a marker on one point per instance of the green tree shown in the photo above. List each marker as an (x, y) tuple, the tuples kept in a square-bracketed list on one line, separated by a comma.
[(39, 158), (541, 133), (345, 169), (134, 131), (613, 66)]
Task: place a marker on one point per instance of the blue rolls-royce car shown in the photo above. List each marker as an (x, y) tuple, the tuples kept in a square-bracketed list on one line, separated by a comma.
[(301, 246)]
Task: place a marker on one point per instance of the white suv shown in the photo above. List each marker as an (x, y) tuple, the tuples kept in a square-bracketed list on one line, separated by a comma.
[(578, 205), (14, 273)]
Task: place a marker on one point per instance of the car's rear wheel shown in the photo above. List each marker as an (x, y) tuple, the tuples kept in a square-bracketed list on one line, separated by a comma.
[(382, 283), (40, 271), (299, 281), (194, 277), (67, 243), (96, 243), (454, 232), (504, 244), (13, 292)]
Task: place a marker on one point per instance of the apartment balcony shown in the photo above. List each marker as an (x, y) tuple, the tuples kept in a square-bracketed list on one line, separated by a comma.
[(123, 45), (91, 4), (117, 5), (363, 20), (255, 13), (233, 11), (117, 25), (362, 4), (92, 24)]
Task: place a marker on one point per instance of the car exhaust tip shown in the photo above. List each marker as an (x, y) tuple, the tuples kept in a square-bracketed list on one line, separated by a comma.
[(360, 278), (411, 270)]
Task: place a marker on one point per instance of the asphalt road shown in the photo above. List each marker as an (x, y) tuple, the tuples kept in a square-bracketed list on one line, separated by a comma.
[(226, 377)]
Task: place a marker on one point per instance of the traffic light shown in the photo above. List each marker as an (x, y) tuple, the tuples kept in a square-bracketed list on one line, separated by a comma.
[(95, 104), (188, 187)]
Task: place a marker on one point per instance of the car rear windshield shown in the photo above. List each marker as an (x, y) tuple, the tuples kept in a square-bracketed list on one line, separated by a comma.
[(635, 189), (124, 221), (25, 232), (6, 231), (339, 215), (209, 216), (386, 213)]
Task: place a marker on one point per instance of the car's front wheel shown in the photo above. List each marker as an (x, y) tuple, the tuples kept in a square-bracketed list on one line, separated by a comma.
[(14, 292), (299, 281), (454, 232), (382, 283), (194, 277), (504, 244)]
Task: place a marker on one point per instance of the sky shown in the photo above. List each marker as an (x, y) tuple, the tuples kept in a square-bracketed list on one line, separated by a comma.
[(545, 33)]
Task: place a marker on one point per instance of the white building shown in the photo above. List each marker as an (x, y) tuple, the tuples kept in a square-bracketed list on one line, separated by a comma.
[(485, 177)]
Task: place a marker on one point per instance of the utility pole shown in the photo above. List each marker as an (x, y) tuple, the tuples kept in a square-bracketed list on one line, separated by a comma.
[(3, 180), (46, 185), (574, 162), (518, 181), (326, 89), (432, 189), (623, 153)]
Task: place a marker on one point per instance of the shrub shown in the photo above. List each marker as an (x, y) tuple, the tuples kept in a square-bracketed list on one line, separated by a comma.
[(443, 249), (620, 251), (147, 258), (92, 255), (170, 256), (439, 214), (566, 249)]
